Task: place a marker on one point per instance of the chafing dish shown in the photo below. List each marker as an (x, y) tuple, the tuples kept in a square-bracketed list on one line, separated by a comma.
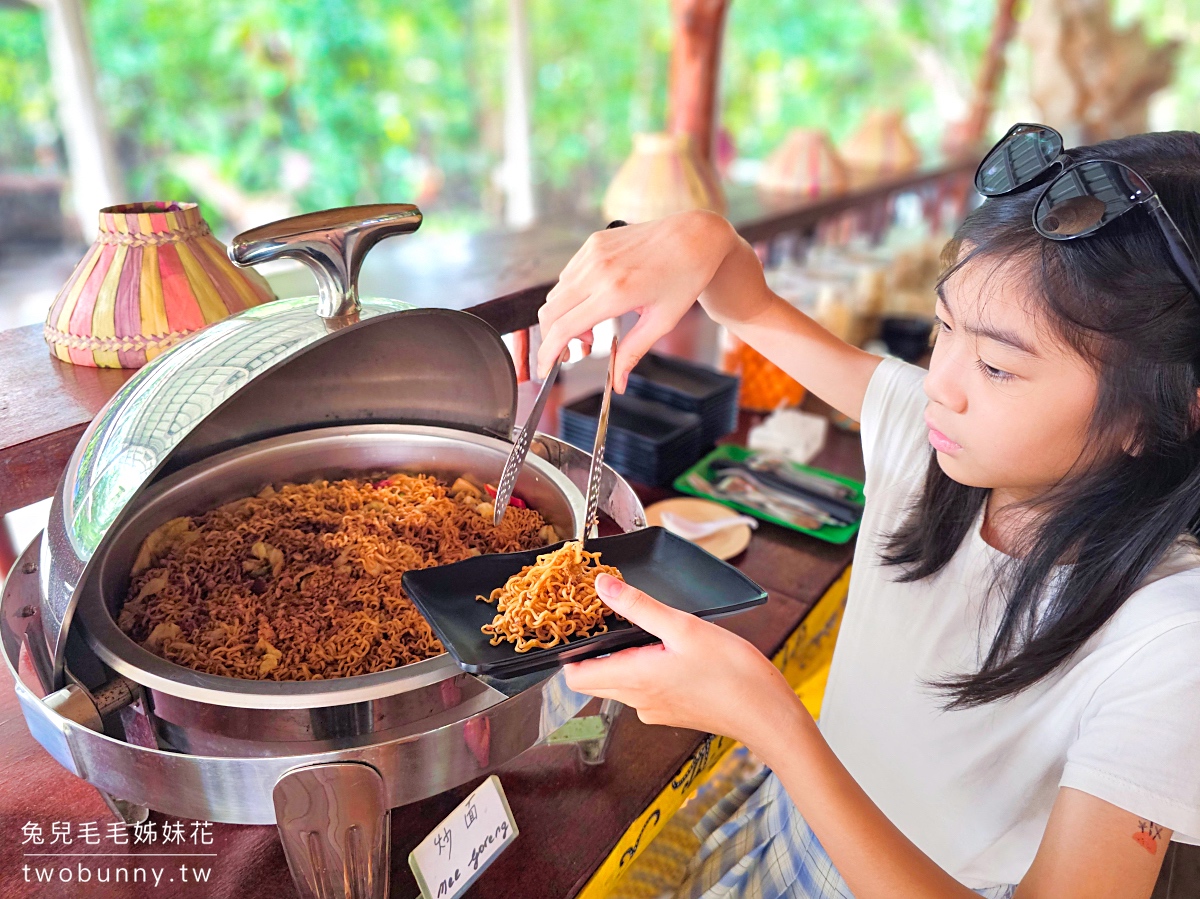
[(324, 385)]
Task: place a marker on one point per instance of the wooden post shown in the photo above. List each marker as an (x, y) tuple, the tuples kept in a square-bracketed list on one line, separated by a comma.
[(698, 26), (967, 134), (95, 177), (520, 353)]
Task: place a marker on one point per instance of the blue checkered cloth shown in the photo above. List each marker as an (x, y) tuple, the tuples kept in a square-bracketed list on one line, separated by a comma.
[(756, 845)]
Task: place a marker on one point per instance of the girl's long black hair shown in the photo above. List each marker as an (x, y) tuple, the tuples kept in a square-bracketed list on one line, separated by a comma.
[(1115, 298)]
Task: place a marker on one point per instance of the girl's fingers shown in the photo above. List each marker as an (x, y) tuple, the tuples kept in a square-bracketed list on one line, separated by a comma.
[(657, 269), (641, 337), (649, 614), (615, 676), (595, 677), (578, 320), (555, 337), (598, 692), (561, 297)]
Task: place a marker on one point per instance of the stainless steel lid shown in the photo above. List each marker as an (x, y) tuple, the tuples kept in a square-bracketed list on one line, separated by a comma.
[(284, 366)]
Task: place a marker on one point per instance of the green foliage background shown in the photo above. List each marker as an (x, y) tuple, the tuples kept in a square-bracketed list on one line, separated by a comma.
[(368, 90)]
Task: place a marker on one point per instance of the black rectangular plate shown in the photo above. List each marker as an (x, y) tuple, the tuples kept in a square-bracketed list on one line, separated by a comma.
[(651, 423), (667, 567), (692, 385), (618, 442)]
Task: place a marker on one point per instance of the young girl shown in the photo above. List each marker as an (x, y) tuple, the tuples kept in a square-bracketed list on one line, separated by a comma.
[(1014, 702)]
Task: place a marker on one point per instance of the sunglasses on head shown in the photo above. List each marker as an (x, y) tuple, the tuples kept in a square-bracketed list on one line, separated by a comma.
[(1081, 197)]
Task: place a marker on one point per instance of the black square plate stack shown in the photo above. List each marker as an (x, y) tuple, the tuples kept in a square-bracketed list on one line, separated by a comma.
[(690, 388), (648, 442)]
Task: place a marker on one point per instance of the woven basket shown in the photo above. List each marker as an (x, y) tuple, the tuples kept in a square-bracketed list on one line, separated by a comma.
[(154, 275), (806, 165), (881, 146), (662, 175)]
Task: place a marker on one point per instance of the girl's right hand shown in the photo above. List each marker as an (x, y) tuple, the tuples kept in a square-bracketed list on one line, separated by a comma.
[(657, 269)]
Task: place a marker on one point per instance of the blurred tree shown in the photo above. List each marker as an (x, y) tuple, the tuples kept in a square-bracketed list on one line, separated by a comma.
[(345, 101), (1178, 106), (824, 66), (600, 75), (27, 131)]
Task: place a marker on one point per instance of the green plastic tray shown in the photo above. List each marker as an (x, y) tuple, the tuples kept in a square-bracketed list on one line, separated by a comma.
[(828, 533)]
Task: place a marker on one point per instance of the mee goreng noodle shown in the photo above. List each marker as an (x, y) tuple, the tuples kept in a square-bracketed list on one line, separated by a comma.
[(303, 582)]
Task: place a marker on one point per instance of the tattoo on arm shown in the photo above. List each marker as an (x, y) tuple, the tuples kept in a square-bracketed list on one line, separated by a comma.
[(1148, 836)]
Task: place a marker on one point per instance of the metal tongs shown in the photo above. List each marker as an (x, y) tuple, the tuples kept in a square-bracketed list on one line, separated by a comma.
[(516, 458), (789, 473), (789, 491), (591, 517)]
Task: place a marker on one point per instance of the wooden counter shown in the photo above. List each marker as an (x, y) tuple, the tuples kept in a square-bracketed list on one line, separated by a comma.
[(570, 815)]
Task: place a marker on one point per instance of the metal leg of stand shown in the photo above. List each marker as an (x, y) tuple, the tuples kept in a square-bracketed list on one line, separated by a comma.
[(126, 812), (335, 824), (592, 752), (75, 703)]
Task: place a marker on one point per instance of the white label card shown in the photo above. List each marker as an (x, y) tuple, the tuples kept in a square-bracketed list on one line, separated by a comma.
[(470, 838)]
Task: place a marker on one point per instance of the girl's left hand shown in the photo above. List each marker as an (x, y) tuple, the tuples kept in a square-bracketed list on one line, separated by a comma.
[(701, 676)]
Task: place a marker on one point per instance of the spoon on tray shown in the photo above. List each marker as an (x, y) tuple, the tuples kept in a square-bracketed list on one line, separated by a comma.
[(698, 530)]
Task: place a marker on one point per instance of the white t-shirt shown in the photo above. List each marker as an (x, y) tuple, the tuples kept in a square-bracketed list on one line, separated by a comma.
[(973, 788)]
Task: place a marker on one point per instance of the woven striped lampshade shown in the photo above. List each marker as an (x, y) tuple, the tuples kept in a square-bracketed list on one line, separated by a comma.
[(881, 146), (664, 174), (805, 164), (154, 275)]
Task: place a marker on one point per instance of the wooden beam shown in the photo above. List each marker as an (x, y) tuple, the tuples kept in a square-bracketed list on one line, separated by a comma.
[(698, 27)]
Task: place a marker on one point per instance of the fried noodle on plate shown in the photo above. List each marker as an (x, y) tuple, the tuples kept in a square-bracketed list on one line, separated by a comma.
[(550, 601)]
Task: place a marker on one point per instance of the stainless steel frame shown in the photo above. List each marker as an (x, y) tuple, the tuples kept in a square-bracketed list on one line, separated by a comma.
[(334, 823), (415, 764), (269, 371), (429, 759)]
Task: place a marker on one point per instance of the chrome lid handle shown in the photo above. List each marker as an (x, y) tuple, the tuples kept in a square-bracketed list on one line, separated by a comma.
[(332, 243)]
